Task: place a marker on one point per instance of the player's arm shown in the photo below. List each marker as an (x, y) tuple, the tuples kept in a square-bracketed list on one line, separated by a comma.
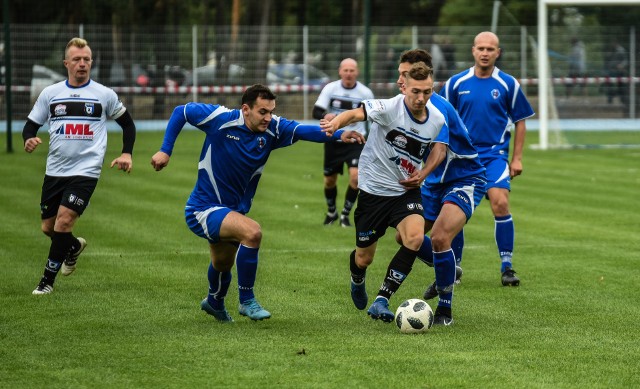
[(316, 134), (125, 161), (437, 154), (344, 119), (29, 136), (515, 167), (176, 122)]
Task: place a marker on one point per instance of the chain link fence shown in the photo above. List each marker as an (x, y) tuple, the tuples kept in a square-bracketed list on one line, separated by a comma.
[(153, 69)]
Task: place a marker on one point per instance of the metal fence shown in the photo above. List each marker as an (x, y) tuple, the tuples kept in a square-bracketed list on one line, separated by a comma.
[(153, 69)]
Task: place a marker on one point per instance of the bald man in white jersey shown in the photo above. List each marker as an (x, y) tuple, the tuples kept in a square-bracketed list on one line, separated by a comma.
[(76, 110), (336, 97)]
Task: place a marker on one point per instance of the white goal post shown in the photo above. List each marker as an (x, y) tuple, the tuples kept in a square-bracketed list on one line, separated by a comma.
[(543, 65)]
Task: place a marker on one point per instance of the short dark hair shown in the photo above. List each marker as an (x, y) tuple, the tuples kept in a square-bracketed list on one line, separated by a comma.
[(416, 55), (252, 93)]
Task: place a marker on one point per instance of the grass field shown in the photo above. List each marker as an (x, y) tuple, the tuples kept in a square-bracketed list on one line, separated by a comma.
[(130, 317)]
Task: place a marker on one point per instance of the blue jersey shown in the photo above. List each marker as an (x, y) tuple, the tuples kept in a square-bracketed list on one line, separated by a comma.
[(462, 157), (233, 157), (488, 107)]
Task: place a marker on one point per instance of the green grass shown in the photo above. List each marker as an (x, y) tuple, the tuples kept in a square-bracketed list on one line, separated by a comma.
[(130, 317)]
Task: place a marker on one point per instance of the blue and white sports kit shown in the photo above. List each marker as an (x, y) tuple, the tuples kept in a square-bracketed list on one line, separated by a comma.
[(489, 107), (231, 161)]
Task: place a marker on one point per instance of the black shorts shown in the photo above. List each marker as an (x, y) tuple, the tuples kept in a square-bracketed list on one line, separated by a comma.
[(73, 192), (337, 154), (374, 214)]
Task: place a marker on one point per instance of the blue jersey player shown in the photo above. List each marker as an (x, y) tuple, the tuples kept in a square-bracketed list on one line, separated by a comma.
[(237, 145), (490, 102)]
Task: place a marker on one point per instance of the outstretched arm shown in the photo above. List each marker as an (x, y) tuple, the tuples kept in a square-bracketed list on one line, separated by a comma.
[(344, 119), (176, 122)]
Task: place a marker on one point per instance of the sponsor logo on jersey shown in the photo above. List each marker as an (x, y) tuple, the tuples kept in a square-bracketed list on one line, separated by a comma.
[(400, 141), (233, 137), (464, 92), (60, 110), (495, 94), (75, 131), (88, 108)]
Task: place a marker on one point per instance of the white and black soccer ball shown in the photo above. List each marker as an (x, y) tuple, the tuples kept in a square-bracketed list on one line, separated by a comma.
[(414, 316)]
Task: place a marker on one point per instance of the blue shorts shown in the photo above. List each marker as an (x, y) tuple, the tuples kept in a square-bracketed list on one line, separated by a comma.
[(497, 171), (206, 222), (466, 194)]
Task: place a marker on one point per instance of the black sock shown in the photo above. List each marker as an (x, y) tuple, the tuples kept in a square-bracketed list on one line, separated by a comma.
[(357, 274), (330, 195), (349, 200), (397, 272), (443, 311), (61, 244)]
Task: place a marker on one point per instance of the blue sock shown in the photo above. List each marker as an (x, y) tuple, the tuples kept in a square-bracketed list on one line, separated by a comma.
[(505, 234), (457, 245), (425, 252), (445, 266), (247, 267), (218, 287)]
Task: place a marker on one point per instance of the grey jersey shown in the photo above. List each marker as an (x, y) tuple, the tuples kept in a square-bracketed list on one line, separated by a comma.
[(77, 126), (335, 98)]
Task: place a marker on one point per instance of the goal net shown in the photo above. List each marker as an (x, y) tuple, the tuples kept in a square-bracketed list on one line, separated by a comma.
[(586, 78)]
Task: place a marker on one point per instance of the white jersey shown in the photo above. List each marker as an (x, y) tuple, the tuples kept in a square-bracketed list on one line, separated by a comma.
[(77, 126), (396, 147), (335, 98)]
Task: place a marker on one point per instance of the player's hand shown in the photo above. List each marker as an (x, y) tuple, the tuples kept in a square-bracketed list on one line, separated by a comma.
[(350, 136), (31, 144), (124, 162), (328, 126), (414, 181), (159, 160), (515, 168)]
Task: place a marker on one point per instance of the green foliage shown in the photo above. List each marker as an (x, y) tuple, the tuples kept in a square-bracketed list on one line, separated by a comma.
[(130, 318)]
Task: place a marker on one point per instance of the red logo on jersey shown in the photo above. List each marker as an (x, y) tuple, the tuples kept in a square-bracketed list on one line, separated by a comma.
[(407, 166), (77, 131)]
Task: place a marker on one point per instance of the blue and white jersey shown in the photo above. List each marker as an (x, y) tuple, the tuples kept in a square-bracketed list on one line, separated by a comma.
[(233, 157), (488, 107), (77, 126), (462, 160), (335, 98)]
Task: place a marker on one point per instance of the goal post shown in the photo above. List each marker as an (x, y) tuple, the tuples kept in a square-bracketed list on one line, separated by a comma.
[(544, 80)]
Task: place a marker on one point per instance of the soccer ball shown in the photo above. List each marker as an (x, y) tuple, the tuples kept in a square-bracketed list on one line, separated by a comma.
[(414, 316)]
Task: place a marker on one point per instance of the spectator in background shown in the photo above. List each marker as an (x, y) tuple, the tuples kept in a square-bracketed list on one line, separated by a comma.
[(577, 65), (76, 110), (617, 66), (336, 97)]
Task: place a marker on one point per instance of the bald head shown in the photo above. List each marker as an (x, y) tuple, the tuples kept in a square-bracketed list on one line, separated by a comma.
[(348, 72), (485, 50), (487, 36)]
